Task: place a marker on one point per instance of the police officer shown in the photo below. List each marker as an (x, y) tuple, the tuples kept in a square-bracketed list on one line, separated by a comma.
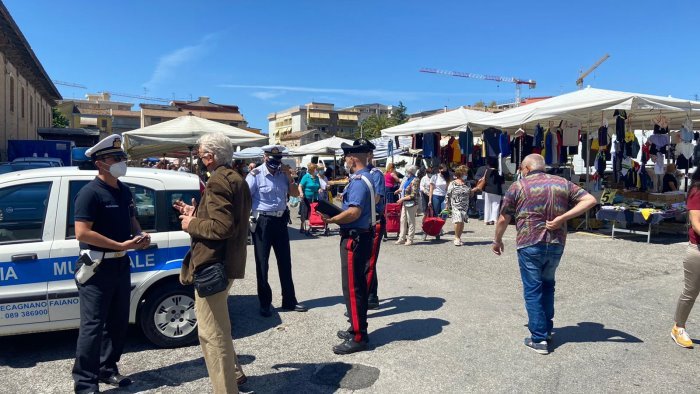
[(377, 178), (356, 223), (269, 185), (106, 227)]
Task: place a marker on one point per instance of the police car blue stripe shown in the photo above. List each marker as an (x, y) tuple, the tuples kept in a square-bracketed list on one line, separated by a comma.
[(63, 268)]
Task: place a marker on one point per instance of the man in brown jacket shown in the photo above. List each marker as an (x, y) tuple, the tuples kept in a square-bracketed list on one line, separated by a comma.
[(219, 231)]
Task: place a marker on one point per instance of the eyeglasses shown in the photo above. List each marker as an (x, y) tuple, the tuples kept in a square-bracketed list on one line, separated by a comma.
[(203, 154)]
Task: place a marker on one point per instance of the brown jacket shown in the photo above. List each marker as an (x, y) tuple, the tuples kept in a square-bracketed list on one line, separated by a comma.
[(219, 230)]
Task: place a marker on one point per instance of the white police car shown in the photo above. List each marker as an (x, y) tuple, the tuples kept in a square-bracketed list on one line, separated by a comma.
[(38, 251)]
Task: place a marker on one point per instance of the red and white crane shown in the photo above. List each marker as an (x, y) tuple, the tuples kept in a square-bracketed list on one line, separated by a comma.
[(517, 81)]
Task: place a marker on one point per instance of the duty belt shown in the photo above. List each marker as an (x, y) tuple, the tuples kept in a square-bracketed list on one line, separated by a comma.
[(98, 255), (353, 232), (277, 214)]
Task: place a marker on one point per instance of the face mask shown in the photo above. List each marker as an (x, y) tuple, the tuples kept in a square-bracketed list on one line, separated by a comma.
[(464, 178), (444, 174), (273, 163), (348, 168), (118, 169)]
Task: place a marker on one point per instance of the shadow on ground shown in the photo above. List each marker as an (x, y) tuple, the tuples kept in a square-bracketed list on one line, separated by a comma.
[(585, 332), (246, 320), (407, 330), (314, 378)]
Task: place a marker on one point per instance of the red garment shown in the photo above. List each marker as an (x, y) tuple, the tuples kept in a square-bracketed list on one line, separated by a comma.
[(693, 204)]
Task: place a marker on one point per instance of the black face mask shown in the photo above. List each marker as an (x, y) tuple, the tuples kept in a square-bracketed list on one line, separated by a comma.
[(274, 163), (202, 166), (444, 174)]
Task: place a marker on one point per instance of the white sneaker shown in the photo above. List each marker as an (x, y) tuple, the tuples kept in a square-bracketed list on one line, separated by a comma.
[(458, 242), (400, 242), (408, 243)]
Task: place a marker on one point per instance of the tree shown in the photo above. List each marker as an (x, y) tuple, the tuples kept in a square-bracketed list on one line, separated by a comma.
[(57, 119), (372, 126), (479, 104), (493, 104), (399, 114)]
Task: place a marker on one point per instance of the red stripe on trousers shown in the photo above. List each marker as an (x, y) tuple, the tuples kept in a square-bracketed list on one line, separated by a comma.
[(375, 253), (351, 286)]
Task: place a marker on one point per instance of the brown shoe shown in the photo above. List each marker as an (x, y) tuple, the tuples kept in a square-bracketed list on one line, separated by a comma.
[(241, 380)]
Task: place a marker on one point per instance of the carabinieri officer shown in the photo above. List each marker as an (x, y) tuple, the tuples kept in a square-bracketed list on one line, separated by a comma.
[(269, 186), (356, 223), (377, 178), (106, 227)]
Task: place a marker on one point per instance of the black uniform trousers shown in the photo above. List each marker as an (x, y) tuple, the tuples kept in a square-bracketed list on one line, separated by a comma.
[(271, 233), (355, 251), (104, 320), (371, 269)]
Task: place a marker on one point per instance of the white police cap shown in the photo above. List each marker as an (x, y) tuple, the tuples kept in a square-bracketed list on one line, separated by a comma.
[(274, 150), (111, 145)]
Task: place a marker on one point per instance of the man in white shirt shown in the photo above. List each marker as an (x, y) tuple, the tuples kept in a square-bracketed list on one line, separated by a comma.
[(425, 189)]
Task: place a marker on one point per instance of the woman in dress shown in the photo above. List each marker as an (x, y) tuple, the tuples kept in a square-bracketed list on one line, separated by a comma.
[(458, 193)]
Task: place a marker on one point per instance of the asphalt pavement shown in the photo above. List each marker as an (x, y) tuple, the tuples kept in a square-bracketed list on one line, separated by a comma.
[(451, 319)]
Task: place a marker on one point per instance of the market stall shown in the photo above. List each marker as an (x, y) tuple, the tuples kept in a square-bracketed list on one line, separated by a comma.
[(181, 135)]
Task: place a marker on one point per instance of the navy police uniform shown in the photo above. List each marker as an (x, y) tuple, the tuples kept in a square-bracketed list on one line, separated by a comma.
[(104, 297), (355, 251), (269, 190), (377, 178)]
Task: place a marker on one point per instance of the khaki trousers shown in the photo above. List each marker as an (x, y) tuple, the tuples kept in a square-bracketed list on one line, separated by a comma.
[(217, 345), (691, 273), (408, 220)]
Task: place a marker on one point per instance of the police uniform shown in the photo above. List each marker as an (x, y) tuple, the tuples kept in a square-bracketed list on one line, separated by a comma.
[(104, 297), (377, 178), (355, 251), (269, 195)]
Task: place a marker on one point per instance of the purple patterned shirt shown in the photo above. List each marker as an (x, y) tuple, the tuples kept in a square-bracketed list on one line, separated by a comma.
[(535, 199)]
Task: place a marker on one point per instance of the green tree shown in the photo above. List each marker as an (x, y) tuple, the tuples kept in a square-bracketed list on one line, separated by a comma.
[(493, 104), (372, 126), (57, 119), (479, 104), (399, 114)]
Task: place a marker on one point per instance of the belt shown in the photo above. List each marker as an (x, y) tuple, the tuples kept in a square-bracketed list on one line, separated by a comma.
[(354, 232), (276, 214), (97, 255)]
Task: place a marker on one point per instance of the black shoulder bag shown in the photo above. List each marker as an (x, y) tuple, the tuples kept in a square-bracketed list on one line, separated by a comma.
[(210, 279)]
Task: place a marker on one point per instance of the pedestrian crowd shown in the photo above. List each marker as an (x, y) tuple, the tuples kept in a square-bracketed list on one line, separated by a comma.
[(241, 202)]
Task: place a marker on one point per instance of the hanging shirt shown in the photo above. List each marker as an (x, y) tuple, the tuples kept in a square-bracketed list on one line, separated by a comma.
[(548, 148), (520, 147), (603, 136), (466, 142), (456, 152), (491, 137), (504, 145), (428, 145), (539, 137), (570, 133)]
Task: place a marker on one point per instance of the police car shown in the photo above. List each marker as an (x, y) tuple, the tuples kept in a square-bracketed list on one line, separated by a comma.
[(38, 251)]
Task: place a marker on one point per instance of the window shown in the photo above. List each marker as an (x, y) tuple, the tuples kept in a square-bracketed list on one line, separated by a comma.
[(155, 120), (23, 211), (12, 94), (31, 109), (104, 123), (21, 103), (144, 202), (184, 195)]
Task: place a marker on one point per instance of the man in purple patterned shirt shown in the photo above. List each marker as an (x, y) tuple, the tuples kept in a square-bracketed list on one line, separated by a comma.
[(541, 204)]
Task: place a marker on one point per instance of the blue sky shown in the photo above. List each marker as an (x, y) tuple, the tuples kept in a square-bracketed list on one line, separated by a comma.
[(267, 56)]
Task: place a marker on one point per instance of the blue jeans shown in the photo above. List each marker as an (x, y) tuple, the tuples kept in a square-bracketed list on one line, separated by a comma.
[(538, 264), (438, 204)]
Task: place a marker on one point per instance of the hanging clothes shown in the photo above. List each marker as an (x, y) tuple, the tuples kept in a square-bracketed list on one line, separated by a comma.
[(538, 139), (570, 132), (491, 137), (603, 136), (417, 142), (466, 142), (548, 149), (620, 117), (685, 152), (456, 151), (429, 145), (504, 145), (521, 146)]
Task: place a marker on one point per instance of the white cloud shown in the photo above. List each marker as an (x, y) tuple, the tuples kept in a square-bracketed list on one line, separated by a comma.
[(376, 93), (266, 95), (168, 64)]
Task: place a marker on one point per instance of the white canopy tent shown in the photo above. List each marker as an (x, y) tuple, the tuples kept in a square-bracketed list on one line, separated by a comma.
[(445, 122), (381, 145), (328, 146), (249, 153), (182, 133), (588, 105)]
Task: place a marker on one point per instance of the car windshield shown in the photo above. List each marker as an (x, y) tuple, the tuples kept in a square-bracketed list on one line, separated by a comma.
[(12, 167)]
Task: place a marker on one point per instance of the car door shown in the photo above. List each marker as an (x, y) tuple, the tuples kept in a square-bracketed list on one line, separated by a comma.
[(27, 214), (62, 291)]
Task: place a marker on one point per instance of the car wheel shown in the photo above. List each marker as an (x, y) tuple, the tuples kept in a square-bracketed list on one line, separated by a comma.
[(167, 316)]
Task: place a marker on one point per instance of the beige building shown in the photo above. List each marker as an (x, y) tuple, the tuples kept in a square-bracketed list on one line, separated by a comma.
[(99, 111), (367, 110), (227, 114), (299, 138), (28, 93), (312, 116)]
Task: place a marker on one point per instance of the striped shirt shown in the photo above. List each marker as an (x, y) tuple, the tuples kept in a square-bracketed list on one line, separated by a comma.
[(535, 199)]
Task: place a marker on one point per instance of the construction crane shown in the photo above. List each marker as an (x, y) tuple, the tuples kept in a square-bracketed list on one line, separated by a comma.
[(517, 81), (579, 81), (71, 84)]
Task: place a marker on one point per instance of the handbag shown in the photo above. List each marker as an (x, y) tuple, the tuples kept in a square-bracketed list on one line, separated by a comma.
[(210, 279), (481, 184)]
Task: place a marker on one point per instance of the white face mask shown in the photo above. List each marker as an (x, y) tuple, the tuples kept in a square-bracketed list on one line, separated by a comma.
[(348, 168), (118, 169), (464, 178)]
